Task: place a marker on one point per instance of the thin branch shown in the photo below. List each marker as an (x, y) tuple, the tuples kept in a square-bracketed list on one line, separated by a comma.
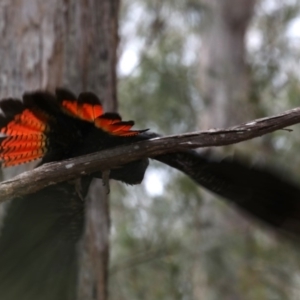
[(56, 172)]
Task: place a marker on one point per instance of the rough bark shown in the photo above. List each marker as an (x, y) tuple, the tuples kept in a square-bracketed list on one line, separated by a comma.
[(90, 44), (45, 44)]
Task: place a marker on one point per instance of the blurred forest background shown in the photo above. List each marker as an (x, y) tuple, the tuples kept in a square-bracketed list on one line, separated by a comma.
[(184, 65), (188, 65)]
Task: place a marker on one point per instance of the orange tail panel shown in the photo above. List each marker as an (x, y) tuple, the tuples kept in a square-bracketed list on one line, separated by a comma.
[(88, 107), (25, 127), (24, 138)]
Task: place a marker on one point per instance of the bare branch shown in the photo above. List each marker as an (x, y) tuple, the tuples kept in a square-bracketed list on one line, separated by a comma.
[(56, 172)]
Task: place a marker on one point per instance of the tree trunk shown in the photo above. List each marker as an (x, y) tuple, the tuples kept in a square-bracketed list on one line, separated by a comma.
[(225, 82), (225, 86), (45, 44)]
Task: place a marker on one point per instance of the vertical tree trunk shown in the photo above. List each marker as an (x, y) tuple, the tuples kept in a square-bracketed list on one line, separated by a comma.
[(225, 85), (225, 81), (45, 44)]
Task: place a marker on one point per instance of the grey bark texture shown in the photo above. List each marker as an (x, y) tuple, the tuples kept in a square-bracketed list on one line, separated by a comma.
[(45, 44)]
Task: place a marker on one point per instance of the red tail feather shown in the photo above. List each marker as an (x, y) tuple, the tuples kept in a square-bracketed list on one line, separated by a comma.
[(24, 139), (41, 120), (88, 107)]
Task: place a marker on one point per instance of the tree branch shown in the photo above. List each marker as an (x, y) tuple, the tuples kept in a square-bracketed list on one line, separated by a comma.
[(52, 173)]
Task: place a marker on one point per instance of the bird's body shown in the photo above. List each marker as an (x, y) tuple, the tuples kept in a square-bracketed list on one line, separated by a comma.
[(40, 233), (59, 127)]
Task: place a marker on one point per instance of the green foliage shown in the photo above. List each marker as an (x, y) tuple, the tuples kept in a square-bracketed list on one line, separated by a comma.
[(160, 91), (168, 246)]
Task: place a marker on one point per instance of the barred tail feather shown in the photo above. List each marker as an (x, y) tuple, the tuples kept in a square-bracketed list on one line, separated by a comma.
[(88, 107), (23, 133)]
